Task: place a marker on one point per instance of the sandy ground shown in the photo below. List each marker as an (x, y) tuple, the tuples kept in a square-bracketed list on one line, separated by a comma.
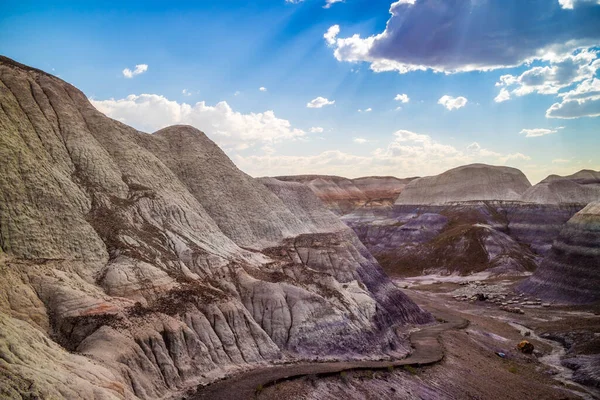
[(471, 369)]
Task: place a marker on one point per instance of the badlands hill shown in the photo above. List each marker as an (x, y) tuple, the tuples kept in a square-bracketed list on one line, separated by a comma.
[(467, 183), (582, 187), (135, 265), (343, 195), (571, 272)]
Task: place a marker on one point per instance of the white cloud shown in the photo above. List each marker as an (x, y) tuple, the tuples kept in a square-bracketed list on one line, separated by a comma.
[(329, 3), (150, 112), (319, 102), (268, 149), (262, 89), (571, 109), (570, 4), (407, 154), (504, 95), (453, 103), (237, 93), (402, 98), (583, 101), (331, 34), (139, 69), (587, 90), (449, 37), (560, 161), (574, 71), (316, 129), (515, 156), (562, 72), (294, 1), (537, 132), (186, 92), (366, 110)]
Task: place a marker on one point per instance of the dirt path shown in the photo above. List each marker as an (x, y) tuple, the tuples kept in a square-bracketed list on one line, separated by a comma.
[(425, 342)]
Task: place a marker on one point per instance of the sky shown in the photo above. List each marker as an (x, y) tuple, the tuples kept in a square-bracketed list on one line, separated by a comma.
[(339, 87)]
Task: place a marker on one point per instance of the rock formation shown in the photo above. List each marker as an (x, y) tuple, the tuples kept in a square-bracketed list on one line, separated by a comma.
[(450, 239), (134, 265), (467, 183), (580, 188), (570, 272), (343, 195)]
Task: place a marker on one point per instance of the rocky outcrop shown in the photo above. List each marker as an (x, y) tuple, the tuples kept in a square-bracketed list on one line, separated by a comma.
[(452, 239), (569, 273), (580, 188), (343, 195), (500, 237), (134, 265), (473, 182)]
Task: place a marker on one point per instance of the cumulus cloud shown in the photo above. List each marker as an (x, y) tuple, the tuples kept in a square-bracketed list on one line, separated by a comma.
[(570, 4), (139, 69), (561, 73), (402, 98), (186, 92), (331, 34), (582, 101), (262, 89), (329, 3), (537, 132), (453, 103), (571, 109), (150, 112), (316, 129), (504, 95), (319, 102), (449, 36), (570, 77), (407, 154), (366, 110)]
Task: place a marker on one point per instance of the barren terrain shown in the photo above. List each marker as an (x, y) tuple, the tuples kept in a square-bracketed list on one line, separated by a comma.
[(471, 367)]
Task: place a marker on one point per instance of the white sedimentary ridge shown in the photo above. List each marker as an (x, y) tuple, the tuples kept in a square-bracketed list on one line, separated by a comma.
[(467, 183), (135, 265)]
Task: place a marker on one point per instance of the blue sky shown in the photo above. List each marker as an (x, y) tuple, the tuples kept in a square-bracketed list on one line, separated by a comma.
[(506, 82)]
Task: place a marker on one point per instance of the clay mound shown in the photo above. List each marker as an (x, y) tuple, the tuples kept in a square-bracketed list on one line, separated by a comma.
[(462, 249), (467, 183), (204, 168), (343, 195), (585, 176), (570, 273), (452, 239), (136, 265), (305, 205), (582, 187)]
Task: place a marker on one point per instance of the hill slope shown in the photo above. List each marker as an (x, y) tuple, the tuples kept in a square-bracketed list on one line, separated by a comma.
[(134, 265), (570, 272), (467, 183), (343, 195), (582, 187)]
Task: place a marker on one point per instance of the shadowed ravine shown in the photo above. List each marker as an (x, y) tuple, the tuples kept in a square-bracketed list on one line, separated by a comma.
[(427, 350)]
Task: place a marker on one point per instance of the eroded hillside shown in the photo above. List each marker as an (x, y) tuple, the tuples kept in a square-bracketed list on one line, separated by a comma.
[(134, 265)]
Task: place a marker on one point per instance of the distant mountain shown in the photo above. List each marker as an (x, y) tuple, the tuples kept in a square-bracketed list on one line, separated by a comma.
[(136, 265), (467, 183), (581, 188), (343, 195)]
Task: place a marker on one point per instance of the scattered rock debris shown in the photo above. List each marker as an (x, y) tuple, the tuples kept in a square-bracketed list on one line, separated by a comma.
[(525, 347)]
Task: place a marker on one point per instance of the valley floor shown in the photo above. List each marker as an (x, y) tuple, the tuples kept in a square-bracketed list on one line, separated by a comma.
[(471, 367)]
